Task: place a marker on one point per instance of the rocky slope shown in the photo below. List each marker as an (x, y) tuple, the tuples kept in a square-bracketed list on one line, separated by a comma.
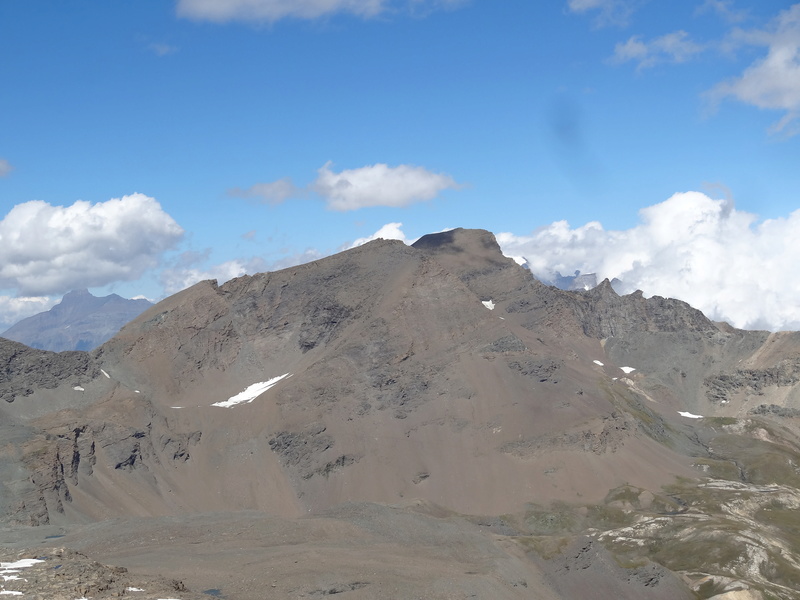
[(437, 387)]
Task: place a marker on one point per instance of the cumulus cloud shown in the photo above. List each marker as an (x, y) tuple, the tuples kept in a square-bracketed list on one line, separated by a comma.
[(47, 249), (773, 81), (379, 185), (223, 11), (607, 12), (5, 167), (373, 185), (269, 193), (13, 310), (675, 47), (390, 231), (692, 247)]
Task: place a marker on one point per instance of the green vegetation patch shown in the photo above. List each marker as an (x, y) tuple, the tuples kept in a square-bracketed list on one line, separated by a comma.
[(545, 547)]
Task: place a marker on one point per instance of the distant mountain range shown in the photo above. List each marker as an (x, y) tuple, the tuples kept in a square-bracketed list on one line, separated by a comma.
[(81, 321)]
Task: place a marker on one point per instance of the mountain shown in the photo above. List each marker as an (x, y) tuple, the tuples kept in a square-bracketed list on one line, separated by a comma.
[(80, 321), (425, 421)]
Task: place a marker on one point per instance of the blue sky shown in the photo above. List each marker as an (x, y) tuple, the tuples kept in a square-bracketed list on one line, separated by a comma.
[(147, 145)]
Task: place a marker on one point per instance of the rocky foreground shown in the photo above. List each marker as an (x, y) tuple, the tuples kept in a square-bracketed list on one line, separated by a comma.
[(64, 574)]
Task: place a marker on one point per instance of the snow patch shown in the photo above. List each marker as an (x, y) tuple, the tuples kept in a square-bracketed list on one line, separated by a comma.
[(78, 388), (251, 392), (689, 415), (133, 589), (627, 370), (23, 563), (8, 571), (488, 304), (106, 374), (597, 362)]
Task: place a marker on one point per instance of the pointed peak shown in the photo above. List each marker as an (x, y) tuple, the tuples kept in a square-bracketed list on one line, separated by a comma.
[(605, 289)]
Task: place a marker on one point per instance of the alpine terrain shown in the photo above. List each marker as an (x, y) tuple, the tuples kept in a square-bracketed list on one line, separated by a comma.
[(405, 422)]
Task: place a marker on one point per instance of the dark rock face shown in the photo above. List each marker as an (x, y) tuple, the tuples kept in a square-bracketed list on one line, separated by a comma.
[(80, 321), (721, 387), (23, 369)]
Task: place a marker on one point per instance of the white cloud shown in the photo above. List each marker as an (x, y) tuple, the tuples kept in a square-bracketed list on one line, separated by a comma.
[(161, 49), (270, 193), (675, 47), (222, 11), (299, 258), (47, 249), (13, 310), (183, 275), (379, 185), (772, 82), (176, 279), (703, 251), (5, 167), (723, 8), (373, 185), (390, 231), (607, 12)]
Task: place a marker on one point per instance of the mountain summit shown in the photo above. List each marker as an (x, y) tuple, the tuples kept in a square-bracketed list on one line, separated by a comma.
[(391, 399)]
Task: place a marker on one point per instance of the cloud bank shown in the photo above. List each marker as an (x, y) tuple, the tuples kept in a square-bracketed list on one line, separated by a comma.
[(692, 247), (223, 11), (47, 249), (13, 310)]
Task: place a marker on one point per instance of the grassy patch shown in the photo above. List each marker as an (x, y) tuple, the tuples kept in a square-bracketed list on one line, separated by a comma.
[(559, 518), (546, 547)]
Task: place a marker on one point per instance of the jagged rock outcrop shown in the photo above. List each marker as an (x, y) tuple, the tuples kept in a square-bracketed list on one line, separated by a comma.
[(23, 369)]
